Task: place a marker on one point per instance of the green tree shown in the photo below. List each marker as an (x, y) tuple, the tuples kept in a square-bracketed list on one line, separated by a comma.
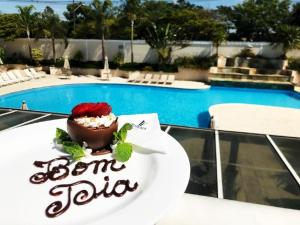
[(182, 2), (163, 40), (131, 9), (257, 19), (194, 22), (295, 15), (81, 17), (288, 37), (218, 36), (26, 21), (8, 26), (101, 11), (53, 27)]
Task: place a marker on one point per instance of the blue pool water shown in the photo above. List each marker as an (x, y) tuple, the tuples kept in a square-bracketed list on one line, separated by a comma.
[(174, 106)]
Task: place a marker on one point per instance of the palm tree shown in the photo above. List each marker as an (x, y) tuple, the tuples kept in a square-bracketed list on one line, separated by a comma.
[(26, 20), (288, 37), (53, 27), (163, 40), (101, 12), (131, 8)]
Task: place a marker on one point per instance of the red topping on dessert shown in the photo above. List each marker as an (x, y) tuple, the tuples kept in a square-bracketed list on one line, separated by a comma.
[(91, 110)]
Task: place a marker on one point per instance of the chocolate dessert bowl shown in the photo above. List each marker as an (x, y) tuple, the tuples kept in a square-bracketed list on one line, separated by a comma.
[(96, 138)]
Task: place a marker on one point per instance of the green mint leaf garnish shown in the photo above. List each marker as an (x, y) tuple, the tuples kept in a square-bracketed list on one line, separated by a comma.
[(62, 136), (123, 152), (75, 151), (116, 136), (123, 131), (121, 135)]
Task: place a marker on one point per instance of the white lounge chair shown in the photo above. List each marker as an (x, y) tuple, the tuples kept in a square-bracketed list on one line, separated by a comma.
[(36, 74), (155, 78), (12, 76), (8, 80), (133, 76), (140, 78), (29, 74), (20, 74), (2, 81), (171, 79), (147, 78), (163, 79)]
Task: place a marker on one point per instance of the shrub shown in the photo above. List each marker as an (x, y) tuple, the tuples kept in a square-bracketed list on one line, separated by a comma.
[(148, 68), (132, 66), (119, 58), (78, 56), (168, 68), (246, 52), (59, 62), (91, 64), (18, 58), (294, 64), (37, 55), (196, 62)]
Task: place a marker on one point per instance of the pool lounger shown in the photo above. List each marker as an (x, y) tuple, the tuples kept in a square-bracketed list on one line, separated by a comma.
[(140, 78), (29, 74), (147, 78), (13, 77), (155, 78), (20, 74), (171, 79), (3, 81), (36, 74), (133, 76), (7, 79), (163, 79)]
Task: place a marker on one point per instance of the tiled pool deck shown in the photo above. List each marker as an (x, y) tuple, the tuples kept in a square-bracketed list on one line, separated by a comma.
[(256, 119), (251, 168), (51, 80)]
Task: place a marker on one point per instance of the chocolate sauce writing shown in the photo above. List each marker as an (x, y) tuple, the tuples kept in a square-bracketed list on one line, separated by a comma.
[(58, 169)]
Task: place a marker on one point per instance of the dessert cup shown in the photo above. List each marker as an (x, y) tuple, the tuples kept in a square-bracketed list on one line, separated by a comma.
[(96, 138)]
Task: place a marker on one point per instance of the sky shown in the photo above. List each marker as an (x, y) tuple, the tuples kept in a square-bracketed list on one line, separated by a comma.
[(9, 6)]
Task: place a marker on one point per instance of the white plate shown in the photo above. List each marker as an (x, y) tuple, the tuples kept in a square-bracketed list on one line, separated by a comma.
[(162, 179)]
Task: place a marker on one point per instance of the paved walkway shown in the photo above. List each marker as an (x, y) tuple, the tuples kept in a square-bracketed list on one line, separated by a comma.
[(51, 80), (256, 119)]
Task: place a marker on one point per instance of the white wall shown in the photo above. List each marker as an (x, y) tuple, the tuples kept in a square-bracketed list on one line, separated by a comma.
[(91, 49)]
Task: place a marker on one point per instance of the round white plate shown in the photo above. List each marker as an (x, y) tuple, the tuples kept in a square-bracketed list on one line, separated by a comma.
[(161, 178)]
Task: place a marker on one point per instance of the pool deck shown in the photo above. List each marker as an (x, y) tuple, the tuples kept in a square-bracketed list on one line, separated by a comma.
[(256, 119), (52, 80)]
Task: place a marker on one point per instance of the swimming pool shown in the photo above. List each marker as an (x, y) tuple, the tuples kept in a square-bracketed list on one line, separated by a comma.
[(174, 106)]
